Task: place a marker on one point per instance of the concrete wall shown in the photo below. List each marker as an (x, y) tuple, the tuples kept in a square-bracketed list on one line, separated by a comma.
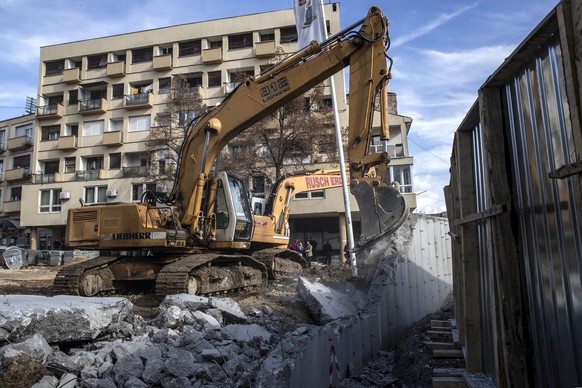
[(412, 279)]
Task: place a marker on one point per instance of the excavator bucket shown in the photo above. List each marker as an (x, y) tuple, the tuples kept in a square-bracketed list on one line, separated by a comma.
[(382, 210)]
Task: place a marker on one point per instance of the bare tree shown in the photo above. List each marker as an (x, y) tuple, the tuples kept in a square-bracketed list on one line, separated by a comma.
[(167, 136), (297, 134)]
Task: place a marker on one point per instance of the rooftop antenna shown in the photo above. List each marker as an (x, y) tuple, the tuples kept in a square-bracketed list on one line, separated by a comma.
[(30, 106)]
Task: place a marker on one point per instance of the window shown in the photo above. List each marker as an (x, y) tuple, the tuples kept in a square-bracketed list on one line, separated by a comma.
[(96, 194), (240, 41), (267, 37), (50, 201), (139, 123), (165, 50), (51, 166), (95, 163), (21, 161), (142, 55), (23, 130), (164, 85), (115, 161), (16, 193), (3, 140), (288, 34), (402, 175), (214, 78), (138, 189), (318, 194), (54, 67), (50, 132), (96, 61), (71, 129), (115, 125), (117, 91), (93, 128), (73, 97), (70, 165), (258, 184), (192, 47)]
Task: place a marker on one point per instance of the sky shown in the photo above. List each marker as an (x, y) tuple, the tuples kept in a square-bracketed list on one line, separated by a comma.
[(443, 51)]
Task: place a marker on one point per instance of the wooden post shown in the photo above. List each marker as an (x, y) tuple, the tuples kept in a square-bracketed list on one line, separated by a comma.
[(470, 253), (507, 264)]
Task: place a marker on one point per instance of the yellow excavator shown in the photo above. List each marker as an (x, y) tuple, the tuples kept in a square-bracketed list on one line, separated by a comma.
[(204, 239)]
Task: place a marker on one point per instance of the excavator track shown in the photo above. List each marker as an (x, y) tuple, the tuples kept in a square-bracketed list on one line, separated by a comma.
[(109, 275), (211, 274), (281, 262), (69, 280)]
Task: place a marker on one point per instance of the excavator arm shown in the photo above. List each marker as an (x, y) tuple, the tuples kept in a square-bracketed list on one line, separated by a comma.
[(364, 51)]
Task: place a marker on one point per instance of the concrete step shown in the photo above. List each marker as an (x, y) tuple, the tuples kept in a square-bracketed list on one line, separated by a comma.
[(448, 353)]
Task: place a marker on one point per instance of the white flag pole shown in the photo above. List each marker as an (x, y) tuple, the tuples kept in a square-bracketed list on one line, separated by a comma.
[(340, 148)]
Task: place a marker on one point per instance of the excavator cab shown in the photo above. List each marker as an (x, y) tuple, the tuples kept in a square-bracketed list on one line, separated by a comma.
[(233, 218)]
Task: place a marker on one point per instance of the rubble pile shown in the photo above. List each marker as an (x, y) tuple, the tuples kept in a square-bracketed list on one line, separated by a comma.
[(194, 341)]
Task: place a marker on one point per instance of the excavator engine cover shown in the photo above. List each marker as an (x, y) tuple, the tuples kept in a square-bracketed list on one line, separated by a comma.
[(382, 210)]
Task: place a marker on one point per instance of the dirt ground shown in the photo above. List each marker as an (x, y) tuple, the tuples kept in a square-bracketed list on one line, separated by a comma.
[(408, 364)]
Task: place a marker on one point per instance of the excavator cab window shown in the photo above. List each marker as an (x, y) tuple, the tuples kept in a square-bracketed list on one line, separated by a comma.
[(244, 218), (221, 208)]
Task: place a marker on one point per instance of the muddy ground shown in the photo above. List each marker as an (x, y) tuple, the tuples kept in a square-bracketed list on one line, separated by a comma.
[(408, 364)]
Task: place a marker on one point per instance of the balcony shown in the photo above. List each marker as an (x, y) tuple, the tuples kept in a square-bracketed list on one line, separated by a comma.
[(98, 105), (265, 49), (89, 175), (212, 56), (17, 174), (113, 138), (40, 179), (163, 62), (67, 143), (137, 101), (19, 143), (72, 76), (11, 206), (134, 171), (50, 111), (116, 69)]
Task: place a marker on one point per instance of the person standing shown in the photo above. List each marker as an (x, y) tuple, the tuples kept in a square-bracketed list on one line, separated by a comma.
[(327, 250), (308, 253)]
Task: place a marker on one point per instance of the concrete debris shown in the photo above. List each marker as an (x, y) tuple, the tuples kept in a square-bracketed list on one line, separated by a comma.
[(59, 318), (181, 347), (324, 303)]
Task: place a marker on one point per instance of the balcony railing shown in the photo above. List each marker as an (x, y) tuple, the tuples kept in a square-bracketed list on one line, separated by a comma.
[(98, 105), (212, 56), (17, 174), (55, 111), (18, 143), (11, 206), (134, 171), (265, 49), (112, 138), (67, 143), (46, 178), (72, 76), (87, 175), (163, 62), (116, 69), (140, 100)]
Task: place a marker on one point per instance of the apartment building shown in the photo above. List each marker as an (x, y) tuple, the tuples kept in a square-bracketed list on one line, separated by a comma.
[(16, 145), (98, 101)]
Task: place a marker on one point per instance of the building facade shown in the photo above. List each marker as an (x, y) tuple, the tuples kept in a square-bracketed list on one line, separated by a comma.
[(98, 101)]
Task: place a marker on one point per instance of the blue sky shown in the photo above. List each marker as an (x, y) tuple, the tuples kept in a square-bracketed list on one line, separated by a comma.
[(443, 51)]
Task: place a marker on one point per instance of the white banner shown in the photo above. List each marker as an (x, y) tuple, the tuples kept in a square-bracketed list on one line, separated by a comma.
[(309, 22)]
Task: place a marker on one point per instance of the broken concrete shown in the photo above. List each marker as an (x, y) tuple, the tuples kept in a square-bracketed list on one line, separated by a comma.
[(324, 303), (59, 318)]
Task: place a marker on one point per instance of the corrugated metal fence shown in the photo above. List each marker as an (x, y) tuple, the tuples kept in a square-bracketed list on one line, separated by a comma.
[(413, 279), (517, 213)]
